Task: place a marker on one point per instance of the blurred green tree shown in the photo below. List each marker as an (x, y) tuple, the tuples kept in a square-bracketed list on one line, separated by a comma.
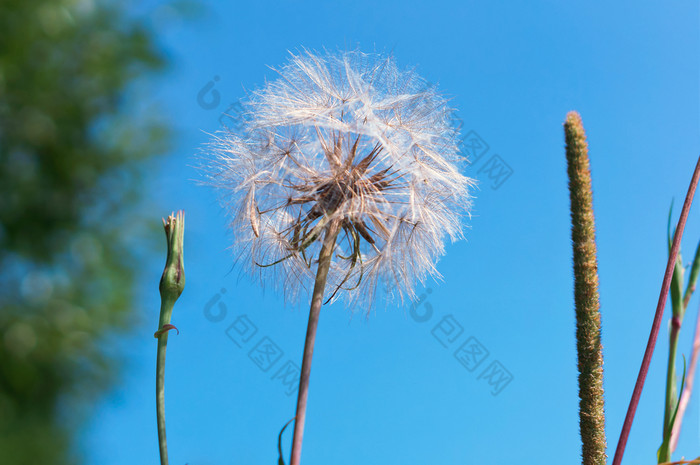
[(73, 143)]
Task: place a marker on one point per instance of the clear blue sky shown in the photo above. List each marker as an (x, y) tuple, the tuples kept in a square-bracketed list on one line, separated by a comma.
[(384, 390)]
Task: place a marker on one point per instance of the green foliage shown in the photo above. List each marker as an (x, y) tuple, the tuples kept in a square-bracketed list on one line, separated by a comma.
[(664, 449), (72, 146), (679, 304)]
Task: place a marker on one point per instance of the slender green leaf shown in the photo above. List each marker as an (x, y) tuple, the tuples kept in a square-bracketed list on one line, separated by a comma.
[(663, 454), (693, 278), (280, 460), (668, 229), (677, 280)]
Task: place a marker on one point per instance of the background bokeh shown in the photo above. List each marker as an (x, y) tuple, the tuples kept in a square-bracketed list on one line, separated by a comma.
[(74, 143), (81, 259)]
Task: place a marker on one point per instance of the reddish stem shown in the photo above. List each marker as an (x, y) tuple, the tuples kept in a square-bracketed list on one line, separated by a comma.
[(666, 284)]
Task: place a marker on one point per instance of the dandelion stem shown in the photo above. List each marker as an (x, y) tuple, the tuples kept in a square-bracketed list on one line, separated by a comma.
[(658, 316), (324, 262), (589, 347)]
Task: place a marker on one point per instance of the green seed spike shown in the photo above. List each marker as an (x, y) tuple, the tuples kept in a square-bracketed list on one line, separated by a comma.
[(589, 347)]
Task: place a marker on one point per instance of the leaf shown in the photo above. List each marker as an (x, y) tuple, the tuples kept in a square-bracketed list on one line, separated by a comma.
[(669, 235), (663, 449), (678, 272), (693, 278), (280, 460), (675, 412)]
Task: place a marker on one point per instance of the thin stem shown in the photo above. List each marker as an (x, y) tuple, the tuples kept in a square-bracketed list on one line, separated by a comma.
[(172, 283), (160, 389), (324, 262), (688, 389), (670, 400), (588, 340), (658, 316)]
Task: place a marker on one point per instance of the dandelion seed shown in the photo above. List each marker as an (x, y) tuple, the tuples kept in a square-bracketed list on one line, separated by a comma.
[(344, 178), (346, 139)]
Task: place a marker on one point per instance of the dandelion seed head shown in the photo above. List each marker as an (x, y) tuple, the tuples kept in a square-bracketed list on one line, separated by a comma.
[(350, 140)]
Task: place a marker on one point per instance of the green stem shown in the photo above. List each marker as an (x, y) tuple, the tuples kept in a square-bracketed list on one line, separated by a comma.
[(671, 395), (688, 388), (324, 262), (172, 283), (165, 314), (658, 316)]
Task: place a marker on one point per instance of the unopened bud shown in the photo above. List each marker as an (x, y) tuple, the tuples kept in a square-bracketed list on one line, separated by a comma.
[(172, 282)]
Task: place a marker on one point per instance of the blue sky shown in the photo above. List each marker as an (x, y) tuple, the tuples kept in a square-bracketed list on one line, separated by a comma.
[(385, 389)]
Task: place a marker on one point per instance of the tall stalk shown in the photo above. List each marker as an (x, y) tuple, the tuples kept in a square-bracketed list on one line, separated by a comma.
[(160, 394), (172, 283), (588, 340), (324, 262)]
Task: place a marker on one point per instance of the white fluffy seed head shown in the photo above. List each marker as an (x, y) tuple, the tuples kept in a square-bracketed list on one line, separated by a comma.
[(344, 138)]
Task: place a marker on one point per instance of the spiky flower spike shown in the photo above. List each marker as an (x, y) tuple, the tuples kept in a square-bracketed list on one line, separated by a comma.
[(345, 172), (590, 350)]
